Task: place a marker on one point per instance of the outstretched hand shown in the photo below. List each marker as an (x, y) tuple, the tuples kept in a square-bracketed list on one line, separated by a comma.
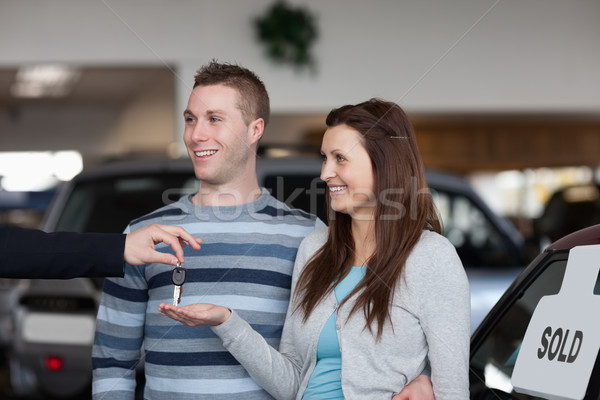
[(196, 314), (140, 244)]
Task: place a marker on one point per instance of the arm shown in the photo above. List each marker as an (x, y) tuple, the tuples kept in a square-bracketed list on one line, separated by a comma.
[(445, 319), (277, 373), (280, 373), (31, 253), (119, 335)]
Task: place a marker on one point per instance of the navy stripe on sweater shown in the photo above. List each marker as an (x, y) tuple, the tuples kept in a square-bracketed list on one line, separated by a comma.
[(225, 274), (135, 295), (280, 212), (169, 212), (98, 362), (187, 359), (120, 343), (180, 331), (238, 250)]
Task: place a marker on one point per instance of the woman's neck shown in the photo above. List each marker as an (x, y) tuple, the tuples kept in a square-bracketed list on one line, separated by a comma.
[(363, 233)]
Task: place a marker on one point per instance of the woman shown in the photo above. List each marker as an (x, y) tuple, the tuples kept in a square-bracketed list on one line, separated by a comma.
[(378, 293)]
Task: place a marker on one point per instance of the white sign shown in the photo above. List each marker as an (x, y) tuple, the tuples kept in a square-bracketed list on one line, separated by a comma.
[(563, 337)]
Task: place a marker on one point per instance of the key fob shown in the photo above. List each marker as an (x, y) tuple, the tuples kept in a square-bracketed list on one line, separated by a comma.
[(179, 276)]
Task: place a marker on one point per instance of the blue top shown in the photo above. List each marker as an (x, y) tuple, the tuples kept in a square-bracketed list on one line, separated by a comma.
[(325, 381)]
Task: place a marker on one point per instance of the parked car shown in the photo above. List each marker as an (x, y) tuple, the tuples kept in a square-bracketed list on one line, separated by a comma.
[(54, 329), (542, 339), (106, 198), (567, 210)]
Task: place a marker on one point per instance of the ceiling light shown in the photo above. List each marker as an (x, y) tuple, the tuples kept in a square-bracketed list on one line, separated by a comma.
[(50, 80)]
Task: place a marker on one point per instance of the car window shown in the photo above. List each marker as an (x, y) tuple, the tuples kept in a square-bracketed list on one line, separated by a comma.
[(303, 191), (108, 205), (477, 241), (492, 363)]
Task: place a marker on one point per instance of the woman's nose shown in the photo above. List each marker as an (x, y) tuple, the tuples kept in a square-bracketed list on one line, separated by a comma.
[(326, 171)]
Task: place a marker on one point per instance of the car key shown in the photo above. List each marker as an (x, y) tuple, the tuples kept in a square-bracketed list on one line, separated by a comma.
[(179, 276)]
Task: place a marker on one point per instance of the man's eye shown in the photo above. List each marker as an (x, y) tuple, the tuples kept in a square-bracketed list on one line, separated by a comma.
[(214, 119), (189, 120)]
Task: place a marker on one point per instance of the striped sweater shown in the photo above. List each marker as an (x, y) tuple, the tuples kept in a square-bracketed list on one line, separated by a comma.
[(246, 262)]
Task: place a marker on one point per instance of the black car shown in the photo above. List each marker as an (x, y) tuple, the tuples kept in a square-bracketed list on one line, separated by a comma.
[(541, 340), (567, 210)]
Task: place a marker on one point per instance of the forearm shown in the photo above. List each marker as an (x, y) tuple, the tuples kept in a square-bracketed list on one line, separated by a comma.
[(448, 339), (30, 253), (275, 372)]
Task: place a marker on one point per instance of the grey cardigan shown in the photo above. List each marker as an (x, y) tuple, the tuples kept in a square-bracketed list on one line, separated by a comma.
[(430, 314)]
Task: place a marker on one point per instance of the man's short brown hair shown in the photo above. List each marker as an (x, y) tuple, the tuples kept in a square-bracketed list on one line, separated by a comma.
[(253, 96)]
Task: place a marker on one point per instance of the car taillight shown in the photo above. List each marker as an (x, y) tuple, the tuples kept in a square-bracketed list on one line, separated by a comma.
[(54, 363)]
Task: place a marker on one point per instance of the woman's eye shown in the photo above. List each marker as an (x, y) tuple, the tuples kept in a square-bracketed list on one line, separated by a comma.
[(340, 158)]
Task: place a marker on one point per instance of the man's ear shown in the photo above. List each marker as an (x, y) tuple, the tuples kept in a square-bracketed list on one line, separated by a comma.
[(256, 130)]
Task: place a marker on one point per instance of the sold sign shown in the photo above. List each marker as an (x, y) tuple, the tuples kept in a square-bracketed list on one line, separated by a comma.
[(561, 343), (558, 351)]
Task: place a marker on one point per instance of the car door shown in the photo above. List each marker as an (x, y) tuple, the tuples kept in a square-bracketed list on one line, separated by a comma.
[(497, 342)]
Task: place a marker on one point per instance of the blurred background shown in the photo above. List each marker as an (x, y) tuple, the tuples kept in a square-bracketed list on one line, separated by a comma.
[(504, 93)]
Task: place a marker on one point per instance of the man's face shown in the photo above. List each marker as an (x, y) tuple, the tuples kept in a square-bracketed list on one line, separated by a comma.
[(220, 144)]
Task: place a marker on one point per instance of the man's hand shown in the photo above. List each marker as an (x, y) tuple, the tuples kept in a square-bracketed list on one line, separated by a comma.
[(419, 389), (139, 245)]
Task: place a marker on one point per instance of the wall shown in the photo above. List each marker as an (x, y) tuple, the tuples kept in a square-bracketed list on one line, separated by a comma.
[(144, 125), (430, 56)]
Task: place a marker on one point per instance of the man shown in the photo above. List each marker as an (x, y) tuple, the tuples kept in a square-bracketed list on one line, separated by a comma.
[(32, 254), (249, 246)]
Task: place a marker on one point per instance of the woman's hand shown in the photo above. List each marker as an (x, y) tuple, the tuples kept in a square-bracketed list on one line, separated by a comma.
[(196, 314)]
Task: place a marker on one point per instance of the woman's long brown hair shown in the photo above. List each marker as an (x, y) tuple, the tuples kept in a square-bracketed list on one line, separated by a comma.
[(404, 209)]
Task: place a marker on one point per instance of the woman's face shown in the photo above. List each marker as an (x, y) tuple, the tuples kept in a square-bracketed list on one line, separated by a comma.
[(348, 172)]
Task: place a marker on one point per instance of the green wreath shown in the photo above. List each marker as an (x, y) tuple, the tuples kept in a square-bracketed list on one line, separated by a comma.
[(288, 34)]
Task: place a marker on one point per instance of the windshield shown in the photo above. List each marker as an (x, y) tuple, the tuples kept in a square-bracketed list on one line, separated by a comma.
[(108, 205)]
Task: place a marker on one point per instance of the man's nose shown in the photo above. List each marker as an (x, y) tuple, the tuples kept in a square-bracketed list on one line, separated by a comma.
[(199, 133)]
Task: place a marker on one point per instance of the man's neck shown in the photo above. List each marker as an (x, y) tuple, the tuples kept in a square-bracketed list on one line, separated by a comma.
[(226, 196)]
